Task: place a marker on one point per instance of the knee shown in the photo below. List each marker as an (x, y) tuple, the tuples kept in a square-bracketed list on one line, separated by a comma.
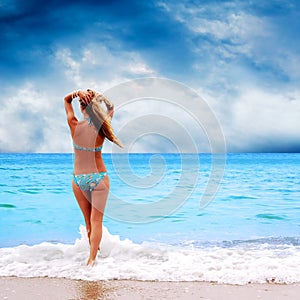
[(97, 218)]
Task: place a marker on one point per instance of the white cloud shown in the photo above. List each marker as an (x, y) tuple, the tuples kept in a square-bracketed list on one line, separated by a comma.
[(236, 28), (35, 120), (140, 69), (70, 65), (98, 67), (239, 30), (35, 110), (31, 122), (155, 112), (259, 119)]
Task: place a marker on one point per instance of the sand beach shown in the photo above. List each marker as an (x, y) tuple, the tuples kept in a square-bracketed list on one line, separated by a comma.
[(15, 288)]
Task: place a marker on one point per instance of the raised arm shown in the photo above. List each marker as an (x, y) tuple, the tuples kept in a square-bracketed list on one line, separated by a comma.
[(84, 100), (72, 120), (109, 107)]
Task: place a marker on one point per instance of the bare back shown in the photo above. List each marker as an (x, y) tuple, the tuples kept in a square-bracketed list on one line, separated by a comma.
[(86, 136)]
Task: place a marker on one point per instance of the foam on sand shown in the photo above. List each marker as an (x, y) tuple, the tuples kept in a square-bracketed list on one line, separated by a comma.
[(123, 259)]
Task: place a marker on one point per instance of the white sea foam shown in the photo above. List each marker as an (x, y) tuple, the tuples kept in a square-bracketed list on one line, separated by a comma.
[(122, 259)]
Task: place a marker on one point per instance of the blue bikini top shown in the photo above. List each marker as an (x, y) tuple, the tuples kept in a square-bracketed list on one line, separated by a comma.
[(97, 149)]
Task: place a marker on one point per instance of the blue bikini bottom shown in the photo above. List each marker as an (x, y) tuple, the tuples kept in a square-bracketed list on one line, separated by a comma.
[(88, 182)]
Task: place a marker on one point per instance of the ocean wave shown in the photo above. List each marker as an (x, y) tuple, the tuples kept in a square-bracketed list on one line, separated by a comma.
[(7, 205), (123, 259)]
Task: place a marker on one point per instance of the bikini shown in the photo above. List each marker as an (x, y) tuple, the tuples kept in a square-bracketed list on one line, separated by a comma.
[(88, 182)]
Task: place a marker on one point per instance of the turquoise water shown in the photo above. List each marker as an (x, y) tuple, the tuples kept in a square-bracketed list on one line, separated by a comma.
[(259, 198), (257, 205)]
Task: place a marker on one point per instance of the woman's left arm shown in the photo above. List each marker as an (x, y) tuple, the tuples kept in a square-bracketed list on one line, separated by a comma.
[(110, 107)]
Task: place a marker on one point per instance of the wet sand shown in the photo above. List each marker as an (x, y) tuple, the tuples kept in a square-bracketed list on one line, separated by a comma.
[(15, 288)]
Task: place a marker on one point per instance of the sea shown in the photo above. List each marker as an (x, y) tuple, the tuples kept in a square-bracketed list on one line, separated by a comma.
[(155, 225)]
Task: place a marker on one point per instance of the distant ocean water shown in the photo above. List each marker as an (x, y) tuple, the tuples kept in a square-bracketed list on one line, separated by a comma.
[(250, 232)]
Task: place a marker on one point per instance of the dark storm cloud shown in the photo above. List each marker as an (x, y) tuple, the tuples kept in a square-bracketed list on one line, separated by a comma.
[(31, 31)]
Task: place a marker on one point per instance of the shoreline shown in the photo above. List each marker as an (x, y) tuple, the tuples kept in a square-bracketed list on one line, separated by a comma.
[(33, 288)]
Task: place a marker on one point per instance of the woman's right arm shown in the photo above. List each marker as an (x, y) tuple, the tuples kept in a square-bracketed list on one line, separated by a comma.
[(72, 120)]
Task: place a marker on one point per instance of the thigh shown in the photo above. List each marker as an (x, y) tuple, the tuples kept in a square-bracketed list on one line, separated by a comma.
[(99, 196), (83, 198)]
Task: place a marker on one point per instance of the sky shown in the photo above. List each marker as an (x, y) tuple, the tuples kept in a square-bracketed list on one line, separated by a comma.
[(241, 57)]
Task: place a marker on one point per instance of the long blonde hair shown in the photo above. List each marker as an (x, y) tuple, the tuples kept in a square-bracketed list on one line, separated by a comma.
[(101, 119)]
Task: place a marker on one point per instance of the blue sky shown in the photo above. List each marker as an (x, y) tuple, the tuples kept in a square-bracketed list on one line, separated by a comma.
[(242, 57)]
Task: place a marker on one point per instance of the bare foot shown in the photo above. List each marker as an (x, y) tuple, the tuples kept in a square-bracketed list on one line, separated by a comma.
[(91, 262)]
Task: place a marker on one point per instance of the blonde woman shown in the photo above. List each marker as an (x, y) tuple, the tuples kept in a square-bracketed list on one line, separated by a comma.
[(90, 181)]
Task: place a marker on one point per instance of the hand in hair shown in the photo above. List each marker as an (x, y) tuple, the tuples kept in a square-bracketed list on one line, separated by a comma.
[(109, 105), (85, 98)]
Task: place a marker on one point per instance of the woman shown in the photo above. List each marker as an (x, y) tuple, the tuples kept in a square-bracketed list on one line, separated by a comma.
[(90, 181)]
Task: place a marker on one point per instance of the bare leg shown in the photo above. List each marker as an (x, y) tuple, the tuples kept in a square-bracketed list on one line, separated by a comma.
[(99, 197), (96, 234), (85, 206)]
